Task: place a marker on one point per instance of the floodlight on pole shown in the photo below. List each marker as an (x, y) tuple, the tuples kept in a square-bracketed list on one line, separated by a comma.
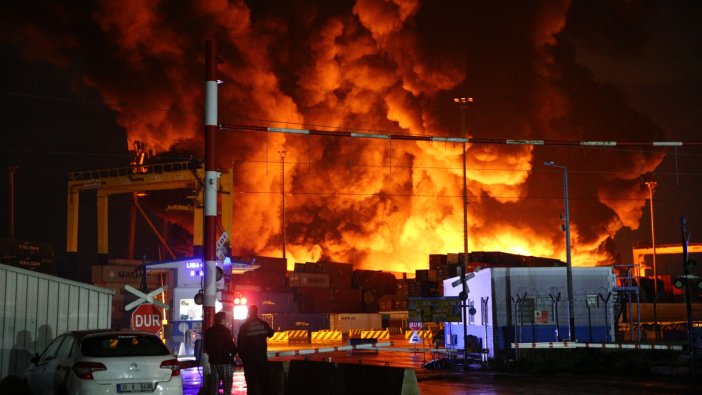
[(462, 269), (569, 267), (282, 197), (463, 104), (652, 187)]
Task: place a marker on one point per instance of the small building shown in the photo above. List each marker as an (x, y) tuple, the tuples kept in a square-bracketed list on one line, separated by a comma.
[(530, 304)]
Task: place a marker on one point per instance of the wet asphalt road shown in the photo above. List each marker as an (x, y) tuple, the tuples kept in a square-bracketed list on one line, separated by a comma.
[(475, 380)]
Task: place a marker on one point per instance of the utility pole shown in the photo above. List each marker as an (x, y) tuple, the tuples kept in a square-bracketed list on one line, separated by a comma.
[(210, 194)]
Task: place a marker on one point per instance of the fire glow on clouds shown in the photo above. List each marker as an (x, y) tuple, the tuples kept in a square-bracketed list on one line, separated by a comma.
[(389, 65)]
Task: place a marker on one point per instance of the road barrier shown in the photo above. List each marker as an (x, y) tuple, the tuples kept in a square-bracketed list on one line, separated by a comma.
[(615, 346), (355, 333), (394, 330), (298, 335), (319, 350), (423, 334), (384, 335), (326, 336), (279, 337)]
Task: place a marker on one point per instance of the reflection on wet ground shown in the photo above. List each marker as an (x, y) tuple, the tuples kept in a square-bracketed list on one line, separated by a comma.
[(475, 380)]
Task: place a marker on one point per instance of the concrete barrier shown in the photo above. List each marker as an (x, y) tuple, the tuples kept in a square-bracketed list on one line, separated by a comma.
[(423, 334), (279, 337), (394, 330), (355, 333), (298, 335), (384, 335), (326, 336)]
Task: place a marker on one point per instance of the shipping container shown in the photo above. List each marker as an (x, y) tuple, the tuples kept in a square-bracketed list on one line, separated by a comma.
[(340, 274), (422, 275), (345, 322), (122, 274), (318, 280), (270, 281), (313, 299), (437, 260), (387, 302), (29, 255), (287, 321), (380, 283), (272, 302), (37, 307), (265, 263)]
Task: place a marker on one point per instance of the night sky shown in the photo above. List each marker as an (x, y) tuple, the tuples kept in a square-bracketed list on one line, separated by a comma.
[(79, 82)]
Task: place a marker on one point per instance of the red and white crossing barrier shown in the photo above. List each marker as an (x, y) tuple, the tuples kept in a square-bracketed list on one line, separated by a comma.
[(307, 351), (615, 346)]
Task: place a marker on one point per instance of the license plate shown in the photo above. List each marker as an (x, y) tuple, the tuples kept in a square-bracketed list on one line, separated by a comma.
[(135, 387)]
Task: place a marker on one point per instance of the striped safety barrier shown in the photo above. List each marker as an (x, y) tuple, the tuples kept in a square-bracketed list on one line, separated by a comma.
[(423, 334), (355, 333), (279, 337), (383, 335), (326, 336), (298, 335), (615, 346), (394, 330)]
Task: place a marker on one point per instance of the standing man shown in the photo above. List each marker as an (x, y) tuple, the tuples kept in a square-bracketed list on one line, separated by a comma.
[(221, 349), (253, 350)]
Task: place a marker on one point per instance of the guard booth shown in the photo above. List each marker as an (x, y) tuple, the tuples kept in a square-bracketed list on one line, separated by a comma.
[(186, 313), (530, 304)]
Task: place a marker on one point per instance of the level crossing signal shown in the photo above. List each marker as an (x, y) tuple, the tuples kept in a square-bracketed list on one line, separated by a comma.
[(147, 317), (415, 326)]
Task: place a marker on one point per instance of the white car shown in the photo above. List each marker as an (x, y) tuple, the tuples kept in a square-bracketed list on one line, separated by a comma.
[(105, 362)]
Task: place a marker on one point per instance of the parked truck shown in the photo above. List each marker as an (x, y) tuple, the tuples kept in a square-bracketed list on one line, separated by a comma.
[(37, 307)]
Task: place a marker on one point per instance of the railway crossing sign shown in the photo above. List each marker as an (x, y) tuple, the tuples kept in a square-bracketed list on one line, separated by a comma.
[(145, 297), (147, 317)]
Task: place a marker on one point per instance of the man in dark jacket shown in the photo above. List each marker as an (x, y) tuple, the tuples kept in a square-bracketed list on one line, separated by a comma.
[(221, 349), (253, 351)]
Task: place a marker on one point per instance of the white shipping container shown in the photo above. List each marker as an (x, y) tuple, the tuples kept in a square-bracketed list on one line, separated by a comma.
[(345, 321), (36, 307)]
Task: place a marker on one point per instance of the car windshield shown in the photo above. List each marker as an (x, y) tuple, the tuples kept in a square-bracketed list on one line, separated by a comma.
[(123, 345)]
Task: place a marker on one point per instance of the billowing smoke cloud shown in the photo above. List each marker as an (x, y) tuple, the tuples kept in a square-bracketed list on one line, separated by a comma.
[(390, 65)]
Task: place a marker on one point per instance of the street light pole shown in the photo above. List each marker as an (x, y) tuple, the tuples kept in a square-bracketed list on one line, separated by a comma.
[(569, 266), (463, 103), (282, 194), (651, 187), (462, 270)]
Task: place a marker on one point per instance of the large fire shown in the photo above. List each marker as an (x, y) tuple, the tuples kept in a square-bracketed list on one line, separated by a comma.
[(393, 66)]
